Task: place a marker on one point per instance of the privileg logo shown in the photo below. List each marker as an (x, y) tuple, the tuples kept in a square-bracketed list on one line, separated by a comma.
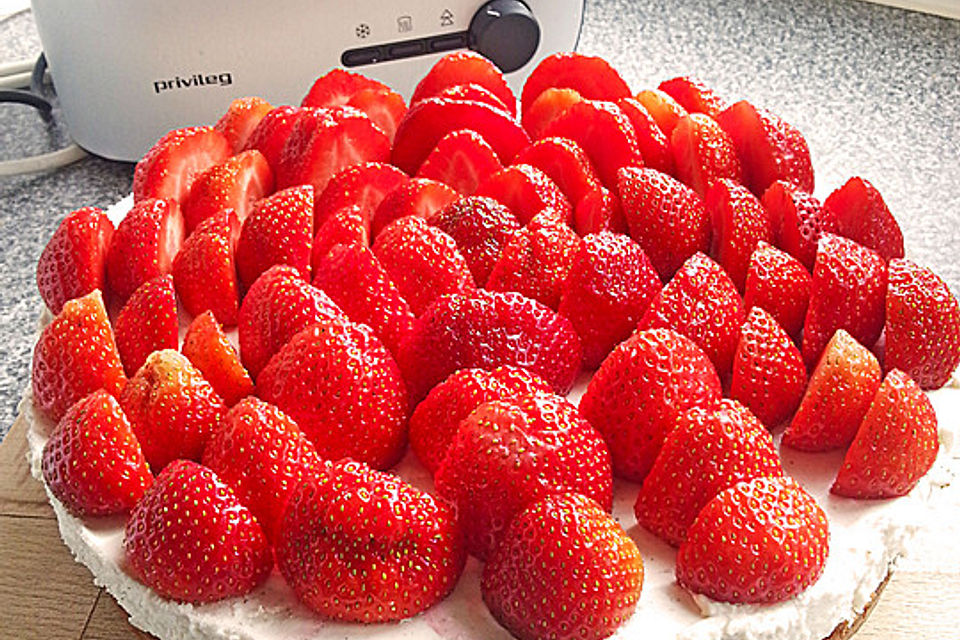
[(196, 80)]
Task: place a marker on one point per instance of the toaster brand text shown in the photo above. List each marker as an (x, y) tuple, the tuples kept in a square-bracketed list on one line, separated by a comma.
[(196, 80)]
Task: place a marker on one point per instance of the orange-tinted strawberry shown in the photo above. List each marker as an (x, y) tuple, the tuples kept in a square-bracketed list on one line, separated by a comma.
[(147, 323), (271, 133), (204, 271), (546, 108), (362, 185), (798, 221), (693, 95), (703, 153), (465, 67), (462, 159), (92, 462), (279, 230), (236, 183), (565, 569), (740, 223), (144, 246), (526, 191), (590, 76), (208, 349), (418, 197), (74, 260), (665, 111), (346, 226), (169, 168), (777, 282), (242, 117), (863, 216), (654, 144), (384, 106)]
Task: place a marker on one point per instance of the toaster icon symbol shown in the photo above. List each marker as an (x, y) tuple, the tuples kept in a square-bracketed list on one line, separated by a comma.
[(446, 18)]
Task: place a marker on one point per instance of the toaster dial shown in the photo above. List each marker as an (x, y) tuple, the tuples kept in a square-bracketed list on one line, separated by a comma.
[(506, 32)]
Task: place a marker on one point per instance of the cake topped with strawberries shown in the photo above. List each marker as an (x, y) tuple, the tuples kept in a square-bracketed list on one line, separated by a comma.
[(585, 363)]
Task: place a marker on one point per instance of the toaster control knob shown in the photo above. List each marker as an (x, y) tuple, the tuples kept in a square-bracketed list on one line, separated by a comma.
[(506, 32)]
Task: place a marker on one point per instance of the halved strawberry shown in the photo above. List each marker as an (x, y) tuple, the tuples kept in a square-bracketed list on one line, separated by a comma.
[(236, 183), (895, 445), (777, 282), (481, 228), (144, 245), (92, 462), (418, 197), (703, 153), (740, 223), (169, 168), (476, 93), (147, 323), (74, 261), (693, 95), (279, 230), (863, 216), (271, 133), (665, 111), (384, 106), (526, 191), (591, 76), (546, 108), (347, 226), (462, 159), (204, 273), (654, 143), (798, 221), (465, 67), (242, 117), (208, 349), (363, 185)]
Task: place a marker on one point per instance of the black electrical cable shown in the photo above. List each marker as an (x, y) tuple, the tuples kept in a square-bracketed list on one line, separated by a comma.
[(34, 97), (36, 78)]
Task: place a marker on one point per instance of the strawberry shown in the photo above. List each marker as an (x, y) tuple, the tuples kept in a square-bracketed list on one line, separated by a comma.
[(271, 133), (342, 387), (565, 163), (863, 216), (207, 348), (259, 451), (509, 453), (429, 120), (481, 227), (172, 408), (476, 93), (610, 284), (346, 226), (592, 77), (92, 462), (841, 387), (798, 221), (418, 197), (537, 259), (147, 323), (236, 183), (526, 191), (598, 211), (739, 223), (702, 303), (661, 106), (384, 106), (73, 262), (654, 144), (465, 67), (641, 389), (708, 450), (558, 553), (769, 149), (462, 159), (422, 261), (778, 282), (169, 168), (354, 279), (74, 356), (434, 422), (278, 305), (190, 540), (694, 96), (768, 372), (279, 230), (362, 185), (204, 273), (144, 245), (363, 546), (922, 327), (488, 329), (546, 108), (666, 218), (703, 153), (847, 292), (761, 541), (242, 117), (895, 445)]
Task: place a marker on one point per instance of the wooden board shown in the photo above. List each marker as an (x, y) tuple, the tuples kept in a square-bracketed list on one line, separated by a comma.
[(46, 595)]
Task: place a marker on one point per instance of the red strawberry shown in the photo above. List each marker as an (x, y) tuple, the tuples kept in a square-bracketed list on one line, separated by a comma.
[(346, 226), (172, 408), (190, 540), (436, 419), (422, 261), (863, 216), (847, 292), (703, 153), (922, 328), (385, 108), (557, 553), (840, 391), (144, 245), (342, 387), (337, 87), (708, 451), (769, 149), (641, 389), (259, 451), (526, 191), (566, 163), (768, 372), (610, 284), (702, 303), (665, 111), (279, 230), (465, 67), (778, 282), (242, 117), (598, 211), (147, 323), (546, 108), (208, 349), (480, 227), (353, 278), (592, 77), (169, 168), (204, 273), (73, 262), (462, 159), (236, 183), (92, 462), (739, 223), (429, 120), (361, 185), (798, 221), (74, 356), (654, 144), (761, 541), (895, 445), (363, 546), (488, 329), (417, 197), (666, 218), (477, 93), (278, 305), (271, 133), (510, 453), (693, 95)]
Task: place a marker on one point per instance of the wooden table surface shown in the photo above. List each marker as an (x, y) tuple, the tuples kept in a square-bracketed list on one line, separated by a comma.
[(45, 595)]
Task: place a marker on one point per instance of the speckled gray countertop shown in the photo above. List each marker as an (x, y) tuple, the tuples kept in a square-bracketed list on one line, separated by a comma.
[(875, 90)]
